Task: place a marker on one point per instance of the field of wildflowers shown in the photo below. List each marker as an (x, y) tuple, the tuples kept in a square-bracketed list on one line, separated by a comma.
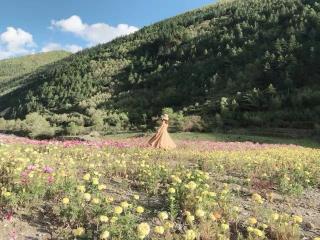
[(121, 189)]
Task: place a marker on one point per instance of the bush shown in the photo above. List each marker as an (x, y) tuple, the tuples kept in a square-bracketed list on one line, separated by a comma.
[(252, 118), (193, 123), (97, 120), (74, 129), (116, 121), (11, 125), (218, 121), (37, 126), (3, 124)]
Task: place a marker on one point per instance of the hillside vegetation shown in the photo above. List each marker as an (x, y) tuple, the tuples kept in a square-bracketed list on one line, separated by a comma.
[(14, 71), (234, 63)]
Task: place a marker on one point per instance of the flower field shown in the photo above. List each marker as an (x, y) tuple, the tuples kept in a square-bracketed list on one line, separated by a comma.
[(121, 189)]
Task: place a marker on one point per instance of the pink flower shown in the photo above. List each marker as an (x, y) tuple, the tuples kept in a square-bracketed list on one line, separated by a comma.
[(50, 179), (47, 169), (31, 167), (9, 216), (13, 235)]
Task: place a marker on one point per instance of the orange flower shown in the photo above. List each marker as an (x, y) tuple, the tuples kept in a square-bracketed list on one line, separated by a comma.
[(217, 215)]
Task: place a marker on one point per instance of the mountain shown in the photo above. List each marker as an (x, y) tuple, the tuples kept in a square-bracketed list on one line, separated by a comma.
[(14, 71), (235, 63)]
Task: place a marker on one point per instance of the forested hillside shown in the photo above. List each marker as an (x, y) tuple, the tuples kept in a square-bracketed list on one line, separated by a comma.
[(234, 63), (13, 71)]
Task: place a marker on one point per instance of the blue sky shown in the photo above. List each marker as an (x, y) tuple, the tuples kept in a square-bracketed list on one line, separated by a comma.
[(28, 26)]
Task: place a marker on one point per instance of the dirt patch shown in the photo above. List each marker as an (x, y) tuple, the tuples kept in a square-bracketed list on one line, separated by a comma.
[(19, 229)]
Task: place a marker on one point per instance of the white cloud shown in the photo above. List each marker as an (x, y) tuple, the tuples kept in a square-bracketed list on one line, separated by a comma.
[(51, 47), (15, 41), (72, 24), (73, 48), (56, 46), (95, 33)]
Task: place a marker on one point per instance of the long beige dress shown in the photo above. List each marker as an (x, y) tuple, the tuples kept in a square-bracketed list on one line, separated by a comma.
[(162, 138)]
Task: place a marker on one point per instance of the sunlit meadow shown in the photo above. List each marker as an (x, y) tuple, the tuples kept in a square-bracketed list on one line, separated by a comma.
[(125, 190)]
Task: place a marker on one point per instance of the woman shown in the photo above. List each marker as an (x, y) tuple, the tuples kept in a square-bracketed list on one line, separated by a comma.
[(162, 139)]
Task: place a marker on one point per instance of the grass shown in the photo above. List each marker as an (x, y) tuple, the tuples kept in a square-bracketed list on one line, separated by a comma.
[(227, 137), (78, 185)]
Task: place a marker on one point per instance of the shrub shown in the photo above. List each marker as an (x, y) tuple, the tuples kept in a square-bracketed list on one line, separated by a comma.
[(97, 120), (74, 129), (193, 123), (11, 125), (38, 126), (3, 124), (218, 121), (116, 121)]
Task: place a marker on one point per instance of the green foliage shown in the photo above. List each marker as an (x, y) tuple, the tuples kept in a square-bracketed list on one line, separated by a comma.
[(37, 126), (74, 129), (14, 72), (97, 120), (193, 123)]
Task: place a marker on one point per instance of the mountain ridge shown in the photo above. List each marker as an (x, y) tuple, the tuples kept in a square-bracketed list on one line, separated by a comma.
[(19, 67)]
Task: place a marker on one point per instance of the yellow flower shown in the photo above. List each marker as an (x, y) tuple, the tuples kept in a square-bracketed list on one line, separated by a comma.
[(78, 231), (205, 193), (124, 205), (113, 219), (212, 194), (258, 232), (104, 218), (102, 187), (191, 185), (6, 194), (139, 209), (105, 235), (190, 219), (87, 197), (143, 230), (236, 209), (118, 210), (65, 201), (176, 179), (297, 219), (224, 227), (81, 188), (95, 200), (257, 198), (163, 216), (200, 213), (275, 216), (199, 198), (95, 181), (168, 224), (224, 191), (316, 238), (171, 190), (190, 235), (136, 197), (159, 230), (86, 177), (252, 220), (109, 199)]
